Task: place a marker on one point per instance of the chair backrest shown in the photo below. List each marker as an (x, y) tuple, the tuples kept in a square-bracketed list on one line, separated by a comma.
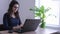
[(1, 27), (31, 24)]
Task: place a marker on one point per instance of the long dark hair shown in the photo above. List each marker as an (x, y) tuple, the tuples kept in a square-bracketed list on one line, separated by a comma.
[(13, 2)]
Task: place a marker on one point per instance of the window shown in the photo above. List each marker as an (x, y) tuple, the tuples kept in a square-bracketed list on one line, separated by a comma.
[(53, 19)]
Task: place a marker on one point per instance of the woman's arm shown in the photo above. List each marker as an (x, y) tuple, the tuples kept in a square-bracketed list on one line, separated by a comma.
[(6, 22), (20, 23)]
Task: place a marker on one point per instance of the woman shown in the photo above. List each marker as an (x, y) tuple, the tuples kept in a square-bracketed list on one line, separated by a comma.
[(11, 18)]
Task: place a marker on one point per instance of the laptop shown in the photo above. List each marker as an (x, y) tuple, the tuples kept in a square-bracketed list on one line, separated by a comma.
[(30, 25)]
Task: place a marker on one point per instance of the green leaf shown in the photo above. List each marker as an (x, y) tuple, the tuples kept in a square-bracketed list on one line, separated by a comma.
[(42, 9), (46, 10), (37, 14)]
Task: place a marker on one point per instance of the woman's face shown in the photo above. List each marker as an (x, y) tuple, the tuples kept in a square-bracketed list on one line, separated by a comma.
[(15, 8)]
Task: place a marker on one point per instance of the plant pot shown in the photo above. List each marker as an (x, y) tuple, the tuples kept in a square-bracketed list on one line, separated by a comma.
[(42, 25)]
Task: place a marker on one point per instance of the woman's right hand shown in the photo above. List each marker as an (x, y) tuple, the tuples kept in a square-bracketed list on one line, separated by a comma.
[(14, 28)]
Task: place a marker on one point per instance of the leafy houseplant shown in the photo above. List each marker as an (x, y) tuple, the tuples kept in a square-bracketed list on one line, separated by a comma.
[(40, 12)]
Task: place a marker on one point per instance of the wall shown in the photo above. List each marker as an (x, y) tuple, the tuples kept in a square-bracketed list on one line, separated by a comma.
[(24, 11), (3, 8)]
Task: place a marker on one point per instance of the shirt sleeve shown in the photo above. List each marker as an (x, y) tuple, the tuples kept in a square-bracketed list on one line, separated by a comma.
[(6, 22), (19, 21)]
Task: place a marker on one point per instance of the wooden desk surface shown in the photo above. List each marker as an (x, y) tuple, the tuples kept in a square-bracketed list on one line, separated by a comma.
[(38, 31), (6, 32)]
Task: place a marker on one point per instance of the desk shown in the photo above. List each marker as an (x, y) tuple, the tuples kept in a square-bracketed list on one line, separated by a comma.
[(37, 31)]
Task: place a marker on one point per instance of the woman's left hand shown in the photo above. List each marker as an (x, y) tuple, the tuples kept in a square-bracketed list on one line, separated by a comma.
[(21, 25), (18, 27)]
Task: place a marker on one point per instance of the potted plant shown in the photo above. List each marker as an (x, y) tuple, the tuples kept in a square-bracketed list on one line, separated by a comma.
[(40, 12)]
